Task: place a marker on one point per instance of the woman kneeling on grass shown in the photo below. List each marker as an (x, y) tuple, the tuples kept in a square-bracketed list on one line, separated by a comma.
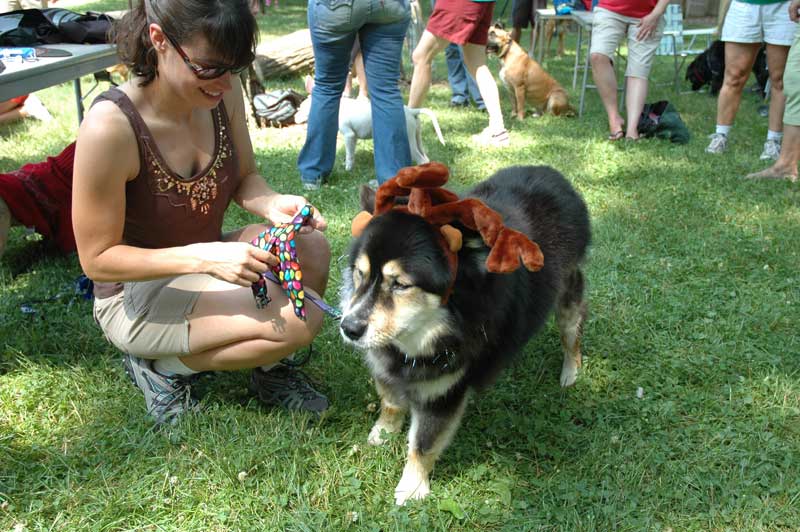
[(157, 162)]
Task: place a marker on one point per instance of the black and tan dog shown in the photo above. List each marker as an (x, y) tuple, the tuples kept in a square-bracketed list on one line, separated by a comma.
[(526, 79), (439, 316)]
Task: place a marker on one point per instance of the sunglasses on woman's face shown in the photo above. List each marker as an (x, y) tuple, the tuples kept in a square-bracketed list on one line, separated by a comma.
[(200, 72)]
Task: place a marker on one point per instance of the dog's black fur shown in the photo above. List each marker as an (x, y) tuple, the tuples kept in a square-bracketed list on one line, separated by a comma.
[(488, 317), (708, 68)]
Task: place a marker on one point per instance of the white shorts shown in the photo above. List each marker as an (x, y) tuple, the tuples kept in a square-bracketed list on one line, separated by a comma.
[(753, 23)]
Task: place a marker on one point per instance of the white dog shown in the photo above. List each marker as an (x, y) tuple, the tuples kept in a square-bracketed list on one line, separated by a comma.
[(355, 122)]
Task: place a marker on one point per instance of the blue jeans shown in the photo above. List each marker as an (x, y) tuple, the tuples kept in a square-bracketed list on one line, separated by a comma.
[(381, 28), (462, 84)]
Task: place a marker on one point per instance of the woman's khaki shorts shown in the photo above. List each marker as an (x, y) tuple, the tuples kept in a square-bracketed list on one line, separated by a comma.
[(148, 319), (608, 30)]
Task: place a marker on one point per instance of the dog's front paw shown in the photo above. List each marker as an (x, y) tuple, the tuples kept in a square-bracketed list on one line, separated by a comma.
[(411, 487), (569, 373), (379, 433)]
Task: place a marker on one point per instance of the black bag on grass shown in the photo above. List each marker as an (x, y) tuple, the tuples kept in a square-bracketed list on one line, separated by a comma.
[(662, 120)]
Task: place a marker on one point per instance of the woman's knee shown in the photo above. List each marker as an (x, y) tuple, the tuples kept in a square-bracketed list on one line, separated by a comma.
[(422, 56), (736, 77), (598, 59), (776, 80), (302, 333)]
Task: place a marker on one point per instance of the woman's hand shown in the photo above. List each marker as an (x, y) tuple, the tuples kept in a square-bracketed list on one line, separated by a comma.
[(235, 262), (284, 207), (648, 26)]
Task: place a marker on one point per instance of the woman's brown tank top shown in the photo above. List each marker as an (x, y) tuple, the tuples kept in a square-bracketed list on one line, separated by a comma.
[(163, 209)]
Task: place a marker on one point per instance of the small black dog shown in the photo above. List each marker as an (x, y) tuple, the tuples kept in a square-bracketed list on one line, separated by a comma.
[(427, 350), (708, 68)]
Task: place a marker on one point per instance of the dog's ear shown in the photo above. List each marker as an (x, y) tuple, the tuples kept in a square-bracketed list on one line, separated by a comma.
[(452, 236), (359, 223), (367, 199), (499, 25)]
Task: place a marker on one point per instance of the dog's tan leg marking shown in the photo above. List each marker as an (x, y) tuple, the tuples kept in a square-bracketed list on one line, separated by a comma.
[(570, 321), (393, 412), (415, 482), (438, 432)]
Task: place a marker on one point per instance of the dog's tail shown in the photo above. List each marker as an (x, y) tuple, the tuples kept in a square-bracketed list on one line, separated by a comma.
[(429, 113)]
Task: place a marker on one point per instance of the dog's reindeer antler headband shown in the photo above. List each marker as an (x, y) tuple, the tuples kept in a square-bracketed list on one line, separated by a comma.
[(422, 184)]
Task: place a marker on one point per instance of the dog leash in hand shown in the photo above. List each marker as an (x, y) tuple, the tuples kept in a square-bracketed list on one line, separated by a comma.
[(280, 241)]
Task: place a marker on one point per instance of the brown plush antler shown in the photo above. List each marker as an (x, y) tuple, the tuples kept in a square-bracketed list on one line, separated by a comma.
[(422, 184)]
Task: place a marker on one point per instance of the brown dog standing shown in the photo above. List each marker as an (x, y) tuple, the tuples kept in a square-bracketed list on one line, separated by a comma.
[(526, 79)]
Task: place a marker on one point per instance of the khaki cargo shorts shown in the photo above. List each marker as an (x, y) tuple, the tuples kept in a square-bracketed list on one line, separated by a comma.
[(148, 319), (608, 30)]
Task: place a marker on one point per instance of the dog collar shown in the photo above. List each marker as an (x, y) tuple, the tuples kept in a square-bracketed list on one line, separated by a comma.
[(442, 360), (507, 48)]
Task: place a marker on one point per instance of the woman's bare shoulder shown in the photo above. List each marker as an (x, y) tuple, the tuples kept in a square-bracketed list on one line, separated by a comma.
[(107, 136)]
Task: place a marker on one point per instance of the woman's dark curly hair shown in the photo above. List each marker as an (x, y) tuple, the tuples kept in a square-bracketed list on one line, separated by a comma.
[(228, 25)]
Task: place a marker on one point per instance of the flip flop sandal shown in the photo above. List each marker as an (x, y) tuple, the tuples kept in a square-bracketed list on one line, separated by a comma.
[(617, 135)]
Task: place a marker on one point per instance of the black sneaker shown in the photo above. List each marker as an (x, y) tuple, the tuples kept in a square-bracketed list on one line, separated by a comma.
[(166, 397), (286, 387)]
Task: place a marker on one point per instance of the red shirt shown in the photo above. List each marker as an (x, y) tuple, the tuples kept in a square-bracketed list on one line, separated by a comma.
[(629, 8)]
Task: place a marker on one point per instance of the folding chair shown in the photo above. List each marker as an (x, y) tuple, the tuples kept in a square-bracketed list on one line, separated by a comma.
[(672, 42)]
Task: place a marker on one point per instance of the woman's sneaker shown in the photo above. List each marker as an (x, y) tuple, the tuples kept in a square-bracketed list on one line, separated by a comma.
[(772, 150), (287, 387), (718, 144), (488, 138), (166, 396)]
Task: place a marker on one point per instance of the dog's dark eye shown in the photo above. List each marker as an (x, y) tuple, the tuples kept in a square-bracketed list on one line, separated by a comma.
[(397, 286), (357, 275)]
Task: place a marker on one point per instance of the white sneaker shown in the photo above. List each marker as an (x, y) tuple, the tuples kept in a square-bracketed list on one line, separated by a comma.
[(772, 150), (498, 139), (718, 144), (34, 107)]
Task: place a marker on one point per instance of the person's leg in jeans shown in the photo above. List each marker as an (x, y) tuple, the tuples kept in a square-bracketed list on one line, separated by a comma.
[(382, 47), (332, 61), (456, 75), (462, 85)]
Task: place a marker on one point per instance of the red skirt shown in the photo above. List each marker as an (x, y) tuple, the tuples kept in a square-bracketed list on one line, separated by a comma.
[(39, 195), (461, 21)]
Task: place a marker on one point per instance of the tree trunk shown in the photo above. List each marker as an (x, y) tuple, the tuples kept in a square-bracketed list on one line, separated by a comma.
[(286, 56)]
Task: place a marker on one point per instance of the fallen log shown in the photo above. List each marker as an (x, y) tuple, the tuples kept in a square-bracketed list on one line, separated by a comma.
[(285, 56)]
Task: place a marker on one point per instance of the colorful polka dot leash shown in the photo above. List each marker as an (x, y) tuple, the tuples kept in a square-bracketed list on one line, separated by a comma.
[(280, 241)]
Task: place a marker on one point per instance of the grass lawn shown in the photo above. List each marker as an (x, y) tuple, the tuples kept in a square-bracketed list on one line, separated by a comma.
[(694, 294)]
